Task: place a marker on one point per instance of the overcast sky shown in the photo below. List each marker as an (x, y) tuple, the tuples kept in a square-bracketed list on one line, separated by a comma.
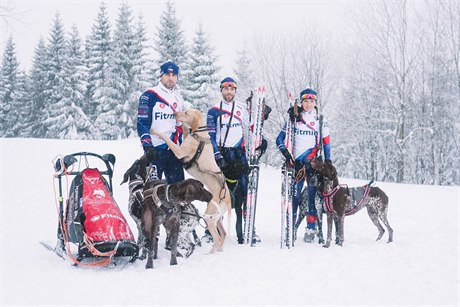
[(229, 23)]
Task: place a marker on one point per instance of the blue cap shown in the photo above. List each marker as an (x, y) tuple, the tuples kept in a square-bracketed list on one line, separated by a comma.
[(308, 94), (169, 66), (228, 82)]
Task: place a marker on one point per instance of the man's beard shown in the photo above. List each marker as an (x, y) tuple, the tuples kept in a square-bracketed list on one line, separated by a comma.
[(229, 98)]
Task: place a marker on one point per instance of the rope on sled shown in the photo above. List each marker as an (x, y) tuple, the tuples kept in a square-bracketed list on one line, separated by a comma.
[(87, 240)]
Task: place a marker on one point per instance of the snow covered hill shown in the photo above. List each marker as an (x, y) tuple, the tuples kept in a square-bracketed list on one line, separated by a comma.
[(421, 266)]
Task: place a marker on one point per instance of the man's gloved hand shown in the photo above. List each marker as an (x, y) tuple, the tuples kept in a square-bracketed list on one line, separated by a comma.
[(266, 111), (288, 156), (262, 147), (301, 164), (221, 163), (151, 154), (328, 161)]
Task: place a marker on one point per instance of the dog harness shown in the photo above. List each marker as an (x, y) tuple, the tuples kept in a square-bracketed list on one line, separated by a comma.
[(328, 199), (157, 200), (358, 199), (201, 143)]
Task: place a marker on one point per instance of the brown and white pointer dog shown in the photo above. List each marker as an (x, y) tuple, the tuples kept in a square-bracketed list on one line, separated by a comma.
[(341, 201), (163, 207), (136, 176)]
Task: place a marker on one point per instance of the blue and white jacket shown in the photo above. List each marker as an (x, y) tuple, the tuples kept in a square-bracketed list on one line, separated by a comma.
[(218, 123), (157, 111), (307, 138)]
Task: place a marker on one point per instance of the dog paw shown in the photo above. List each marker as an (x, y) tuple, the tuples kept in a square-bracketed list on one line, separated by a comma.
[(149, 264)]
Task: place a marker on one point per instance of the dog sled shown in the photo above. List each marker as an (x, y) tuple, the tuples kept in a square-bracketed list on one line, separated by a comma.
[(92, 231)]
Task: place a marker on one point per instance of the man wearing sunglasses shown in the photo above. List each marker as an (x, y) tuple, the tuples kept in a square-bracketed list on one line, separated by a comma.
[(228, 122), (157, 110), (307, 134)]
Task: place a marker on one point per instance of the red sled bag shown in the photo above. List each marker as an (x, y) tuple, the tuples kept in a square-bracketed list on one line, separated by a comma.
[(104, 221), (91, 218)]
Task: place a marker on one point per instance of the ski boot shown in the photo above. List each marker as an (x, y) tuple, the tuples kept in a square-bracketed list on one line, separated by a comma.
[(309, 236), (255, 237), (60, 248)]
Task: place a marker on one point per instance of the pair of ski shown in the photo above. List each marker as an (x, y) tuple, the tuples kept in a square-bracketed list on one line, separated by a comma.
[(288, 184), (256, 118)]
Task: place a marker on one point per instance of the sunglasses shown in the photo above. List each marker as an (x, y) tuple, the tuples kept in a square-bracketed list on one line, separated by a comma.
[(308, 96), (225, 84)]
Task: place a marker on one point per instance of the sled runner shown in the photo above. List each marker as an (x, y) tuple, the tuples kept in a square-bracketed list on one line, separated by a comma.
[(90, 218)]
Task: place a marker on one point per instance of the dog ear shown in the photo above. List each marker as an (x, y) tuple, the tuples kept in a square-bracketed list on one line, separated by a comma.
[(333, 172), (190, 192), (196, 120), (131, 172)]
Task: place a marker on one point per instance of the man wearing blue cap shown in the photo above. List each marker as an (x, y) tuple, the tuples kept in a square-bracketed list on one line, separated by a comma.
[(157, 111), (227, 123), (307, 128)]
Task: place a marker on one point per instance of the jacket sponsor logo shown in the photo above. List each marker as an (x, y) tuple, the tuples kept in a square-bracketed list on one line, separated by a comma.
[(162, 105), (161, 115), (175, 105), (305, 132), (98, 193), (226, 115), (312, 123), (231, 126), (238, 113)]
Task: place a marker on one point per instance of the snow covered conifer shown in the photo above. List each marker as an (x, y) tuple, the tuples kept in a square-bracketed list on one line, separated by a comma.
[(10, 92), (38, 79), (201, 86), (171, 43), (244, 74), (99, 50)]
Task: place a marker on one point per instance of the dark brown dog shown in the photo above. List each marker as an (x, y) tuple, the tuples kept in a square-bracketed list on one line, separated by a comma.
[(341, 201), (163, 206)]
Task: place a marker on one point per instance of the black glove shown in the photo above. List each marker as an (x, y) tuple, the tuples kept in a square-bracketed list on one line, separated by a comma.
[(151, 154), (221, 163), (300, 164), (328, 161), (266, 112), (262, 147), (288, 156)]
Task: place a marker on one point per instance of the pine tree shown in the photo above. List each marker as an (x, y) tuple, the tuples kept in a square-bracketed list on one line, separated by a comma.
[(57, 86), (99, 52), (244, 74), (23, 127), (77, 125), (171, 43), (141, 78), (39, 98), (202, 78), (122, 75), (9, 91)]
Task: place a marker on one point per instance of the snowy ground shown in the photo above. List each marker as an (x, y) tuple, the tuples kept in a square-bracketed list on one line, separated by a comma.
[(420, 268)]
